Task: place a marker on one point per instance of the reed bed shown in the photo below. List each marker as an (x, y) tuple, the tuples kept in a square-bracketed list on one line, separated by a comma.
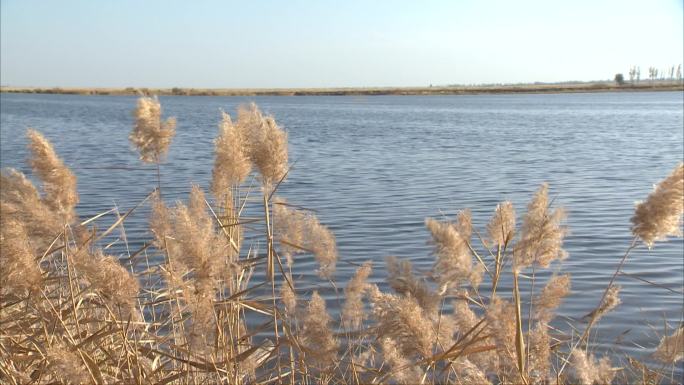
[(185, 308)]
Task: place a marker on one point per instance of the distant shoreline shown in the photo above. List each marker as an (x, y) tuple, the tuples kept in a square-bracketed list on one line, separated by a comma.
[(644, 86)]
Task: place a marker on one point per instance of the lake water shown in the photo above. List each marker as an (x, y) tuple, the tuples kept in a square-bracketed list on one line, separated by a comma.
[(374, 167)]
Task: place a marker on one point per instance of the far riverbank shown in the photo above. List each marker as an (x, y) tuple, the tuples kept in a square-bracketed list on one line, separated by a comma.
[(536, 88)]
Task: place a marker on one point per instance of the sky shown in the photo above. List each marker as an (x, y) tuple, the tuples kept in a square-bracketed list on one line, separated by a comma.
[(326, 43)]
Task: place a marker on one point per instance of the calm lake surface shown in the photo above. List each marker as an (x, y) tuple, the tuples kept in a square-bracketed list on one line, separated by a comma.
[(374, 167)]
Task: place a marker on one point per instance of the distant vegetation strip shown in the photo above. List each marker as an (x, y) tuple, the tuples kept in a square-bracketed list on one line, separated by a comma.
[(435, 90)]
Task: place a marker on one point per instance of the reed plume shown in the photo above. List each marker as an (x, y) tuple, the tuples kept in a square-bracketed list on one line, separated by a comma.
[(671, 348), (542, 235), (300, 232), (500, 317), (231, 162), (111, 280), (353, 312), (466, 319), (401, 279), (317, 337), (501, 228), (66, 366), (454, 262), (200, 247), (610, 301), (401, 369), (58, 182), (20, 200), (151, 136), (539, 365), (469, 373), (289, 296), (160, 222), (551, 296), (588, 371), (403, 320), (267, 144), (661, 214), (20, 270)]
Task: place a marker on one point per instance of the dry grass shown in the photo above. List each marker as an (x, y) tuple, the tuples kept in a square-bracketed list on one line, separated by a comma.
[(71, 314)]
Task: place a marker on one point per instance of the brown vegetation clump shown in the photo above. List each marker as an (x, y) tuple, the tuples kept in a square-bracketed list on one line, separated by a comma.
[(661, 213), (184, 308)]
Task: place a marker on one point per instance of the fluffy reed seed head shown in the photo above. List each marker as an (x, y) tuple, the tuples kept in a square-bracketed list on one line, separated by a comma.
[(20, 200), (551, 296), (353, 312), (588, 371), (469, 373), (160, 222), (671, 348), (401, 369), (289, 296), (402, 280), (200, 247), (116, 284), (539, 364), (59, 183), (610, 302), (466, 319), (500, 316), (66, 365), (317, 337), (542, 234), (501, 227), (151, 136), (403, 320), (299, 232), (20, 270), (267, 144), (661, 214), (454, 261), (231, 163)]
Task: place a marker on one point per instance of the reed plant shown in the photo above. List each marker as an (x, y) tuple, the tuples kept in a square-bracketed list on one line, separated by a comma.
[(185, 308)]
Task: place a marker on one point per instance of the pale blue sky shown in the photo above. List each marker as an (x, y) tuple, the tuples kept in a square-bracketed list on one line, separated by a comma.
[(290, 43)]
